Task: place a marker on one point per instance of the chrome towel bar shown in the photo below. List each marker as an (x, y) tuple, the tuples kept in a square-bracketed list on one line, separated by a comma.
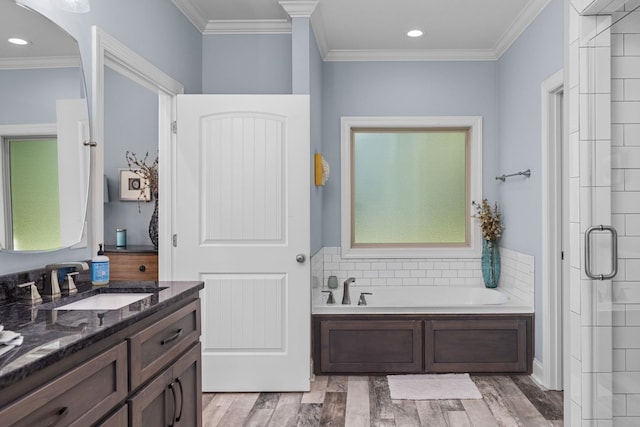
[(526, 173)]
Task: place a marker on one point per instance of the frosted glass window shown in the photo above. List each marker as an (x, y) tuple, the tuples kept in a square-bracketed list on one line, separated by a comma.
[(410, 187), (35, 202)]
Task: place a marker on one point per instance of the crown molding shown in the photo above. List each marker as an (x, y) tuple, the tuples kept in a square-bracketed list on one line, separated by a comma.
[(530, 12), (409, 55), (253, 26), (317, 25), (192, 13), (299, 8), (40, 62)]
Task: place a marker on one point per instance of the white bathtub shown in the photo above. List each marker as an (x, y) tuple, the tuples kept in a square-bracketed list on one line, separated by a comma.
[(420, 299)]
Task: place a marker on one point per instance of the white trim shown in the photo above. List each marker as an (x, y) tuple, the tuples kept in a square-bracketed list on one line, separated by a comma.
[(537, 372), (192, 13), (522, 22), (40, 62), (299, 8), (107, 51), (257, 26), (410, 55), (474, 122), (552, 234)]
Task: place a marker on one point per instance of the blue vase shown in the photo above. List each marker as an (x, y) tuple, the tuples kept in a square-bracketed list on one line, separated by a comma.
[(490, 263)]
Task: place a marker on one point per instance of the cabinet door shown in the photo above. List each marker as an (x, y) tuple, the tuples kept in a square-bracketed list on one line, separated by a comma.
[(154, 405), (479, 345), (174, 397), (371, 346), (119, 419), (187, 377)]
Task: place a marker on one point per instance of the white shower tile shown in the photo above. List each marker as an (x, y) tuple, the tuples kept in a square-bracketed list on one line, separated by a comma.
[(632, 44), (603, 163), (617, 44), (625, 157), (619, 360), (626, 382), (633, 314), (627, 202), (626, 337), (633, 405), (617, 179), (632, 179), (632, 225), (633, 359), (617, 89), (617, 135), (632, 89), (631, 134), (625, 111), (619, 405), (625, 67)]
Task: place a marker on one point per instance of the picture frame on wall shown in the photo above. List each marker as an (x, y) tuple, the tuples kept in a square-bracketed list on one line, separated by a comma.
[(133, 187)]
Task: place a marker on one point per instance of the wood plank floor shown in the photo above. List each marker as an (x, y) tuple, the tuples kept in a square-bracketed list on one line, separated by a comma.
[(362, 401)]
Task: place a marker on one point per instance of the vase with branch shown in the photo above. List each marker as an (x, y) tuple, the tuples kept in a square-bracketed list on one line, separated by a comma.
[(148, 171), (491, 226)]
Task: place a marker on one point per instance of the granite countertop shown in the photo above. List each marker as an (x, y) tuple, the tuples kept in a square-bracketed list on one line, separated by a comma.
[(51, 335)]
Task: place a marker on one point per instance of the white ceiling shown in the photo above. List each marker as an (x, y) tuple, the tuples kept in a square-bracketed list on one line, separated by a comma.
[(376, 29)]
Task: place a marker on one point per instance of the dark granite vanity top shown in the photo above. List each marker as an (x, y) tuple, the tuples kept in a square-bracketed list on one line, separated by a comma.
[(51, 335)]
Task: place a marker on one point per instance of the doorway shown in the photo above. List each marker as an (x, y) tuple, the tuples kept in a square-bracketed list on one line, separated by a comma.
[(549, 371)]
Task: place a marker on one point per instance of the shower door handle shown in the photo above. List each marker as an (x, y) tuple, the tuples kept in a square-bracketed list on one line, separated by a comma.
[(614, 252)]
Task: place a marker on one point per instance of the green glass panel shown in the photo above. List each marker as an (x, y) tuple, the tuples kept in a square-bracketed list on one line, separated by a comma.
[(35, 202), (410, 187)]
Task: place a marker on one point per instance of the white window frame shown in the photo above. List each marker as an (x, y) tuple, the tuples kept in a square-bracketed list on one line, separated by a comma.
[(473, 123)]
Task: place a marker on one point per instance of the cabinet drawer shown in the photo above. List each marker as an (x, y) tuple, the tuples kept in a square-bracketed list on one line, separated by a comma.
[(78, 398), (119, 419), (133, 266), (154, 347)]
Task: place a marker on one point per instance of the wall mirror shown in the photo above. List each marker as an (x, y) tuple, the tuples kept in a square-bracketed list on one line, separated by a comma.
[(44, 127)]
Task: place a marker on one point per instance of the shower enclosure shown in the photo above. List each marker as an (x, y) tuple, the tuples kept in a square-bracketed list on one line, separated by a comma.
[(602, 320)]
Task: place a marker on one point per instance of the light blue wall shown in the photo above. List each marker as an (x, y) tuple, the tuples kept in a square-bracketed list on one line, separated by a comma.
[(29, 96), (256, 64), (536, 55), (404, 89), (131, 124), (156, 30)]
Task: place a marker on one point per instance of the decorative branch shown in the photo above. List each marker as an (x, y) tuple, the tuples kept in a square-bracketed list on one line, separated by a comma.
[(148, 173)]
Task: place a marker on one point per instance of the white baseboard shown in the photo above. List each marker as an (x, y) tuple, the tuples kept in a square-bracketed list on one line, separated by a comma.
[(538, 373)]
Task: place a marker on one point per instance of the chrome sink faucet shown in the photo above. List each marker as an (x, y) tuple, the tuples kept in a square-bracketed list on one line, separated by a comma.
[(346, 299), (51, 283)]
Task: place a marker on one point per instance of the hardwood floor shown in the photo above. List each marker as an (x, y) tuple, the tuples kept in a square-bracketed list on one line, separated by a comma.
[(361, 401)]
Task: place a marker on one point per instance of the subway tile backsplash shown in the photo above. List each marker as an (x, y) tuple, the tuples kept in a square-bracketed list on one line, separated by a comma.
[(517, 277)]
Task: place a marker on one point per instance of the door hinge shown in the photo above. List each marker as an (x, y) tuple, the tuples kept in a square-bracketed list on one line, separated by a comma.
[(562, 255), (174, 127), (175, 240)]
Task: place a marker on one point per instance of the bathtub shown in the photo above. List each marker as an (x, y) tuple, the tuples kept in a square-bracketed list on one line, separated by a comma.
[(422, 329), (421, 299)]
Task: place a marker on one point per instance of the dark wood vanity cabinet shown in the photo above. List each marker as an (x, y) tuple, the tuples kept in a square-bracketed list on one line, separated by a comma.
[(148, 374), (431, 343)]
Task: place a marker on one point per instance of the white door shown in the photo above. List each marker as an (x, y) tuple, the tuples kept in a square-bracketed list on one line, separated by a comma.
[(242, 221)]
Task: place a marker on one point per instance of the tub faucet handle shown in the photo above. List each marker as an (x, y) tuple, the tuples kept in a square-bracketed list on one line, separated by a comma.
[(362, 300), (330, 300)]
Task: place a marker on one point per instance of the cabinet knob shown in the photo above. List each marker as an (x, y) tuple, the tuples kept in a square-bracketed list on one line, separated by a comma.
[(142, 268)]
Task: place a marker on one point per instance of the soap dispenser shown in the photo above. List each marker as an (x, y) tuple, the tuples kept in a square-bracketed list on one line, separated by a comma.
[(100, 268)]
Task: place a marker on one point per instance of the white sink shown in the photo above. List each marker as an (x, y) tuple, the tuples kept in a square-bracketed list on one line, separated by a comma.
[(104, 302)]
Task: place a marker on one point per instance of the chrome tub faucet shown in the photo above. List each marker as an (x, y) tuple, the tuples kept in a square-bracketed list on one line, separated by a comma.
[(346, 299)]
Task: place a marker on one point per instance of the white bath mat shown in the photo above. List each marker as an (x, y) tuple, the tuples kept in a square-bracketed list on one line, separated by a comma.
[(432, 387)]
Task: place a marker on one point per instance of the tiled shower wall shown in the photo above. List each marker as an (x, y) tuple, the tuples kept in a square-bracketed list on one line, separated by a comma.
[(516, 278), (625, 203)]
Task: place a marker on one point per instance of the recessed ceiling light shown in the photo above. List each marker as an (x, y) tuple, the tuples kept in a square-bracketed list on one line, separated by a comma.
[(18, 41), (414, 33)]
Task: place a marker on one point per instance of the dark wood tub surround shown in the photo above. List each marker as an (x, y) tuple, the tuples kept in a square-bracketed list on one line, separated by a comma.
[(422, 343)]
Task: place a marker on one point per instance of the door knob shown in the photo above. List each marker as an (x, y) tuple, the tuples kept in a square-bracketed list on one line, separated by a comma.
[(300, 258)]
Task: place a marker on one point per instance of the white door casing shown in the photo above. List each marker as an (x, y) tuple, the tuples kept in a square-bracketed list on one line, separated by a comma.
[(241, 219)]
